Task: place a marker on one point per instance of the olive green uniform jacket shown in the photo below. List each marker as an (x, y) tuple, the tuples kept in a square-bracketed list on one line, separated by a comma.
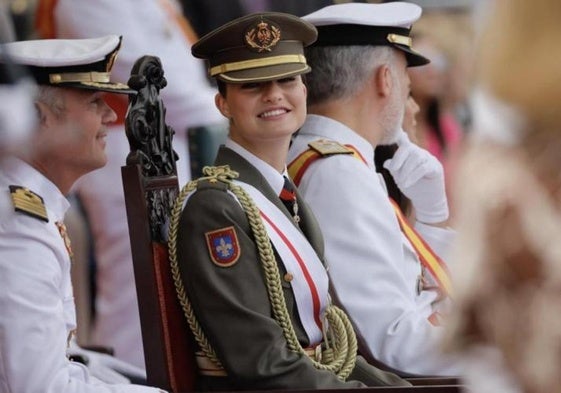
[(231, 303)]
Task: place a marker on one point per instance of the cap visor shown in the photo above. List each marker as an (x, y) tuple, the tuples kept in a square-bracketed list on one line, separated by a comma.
[(414, 59)]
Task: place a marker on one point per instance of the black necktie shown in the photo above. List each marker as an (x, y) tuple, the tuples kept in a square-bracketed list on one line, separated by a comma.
[(288, 197)]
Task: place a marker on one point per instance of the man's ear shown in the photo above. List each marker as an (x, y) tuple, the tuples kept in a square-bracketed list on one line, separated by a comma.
[(383, 80), (222, 105)]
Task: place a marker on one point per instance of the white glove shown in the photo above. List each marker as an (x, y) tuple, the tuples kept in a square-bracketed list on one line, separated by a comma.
[(420, 177), (106, 367)]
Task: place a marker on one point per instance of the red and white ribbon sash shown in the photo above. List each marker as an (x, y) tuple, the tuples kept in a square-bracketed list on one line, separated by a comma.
[(310, 282)]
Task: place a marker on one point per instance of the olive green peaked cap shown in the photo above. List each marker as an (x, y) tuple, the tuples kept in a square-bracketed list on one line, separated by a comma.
[(257, 48)]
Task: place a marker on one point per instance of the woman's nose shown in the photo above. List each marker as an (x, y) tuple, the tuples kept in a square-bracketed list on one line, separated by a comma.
[(272, 92)]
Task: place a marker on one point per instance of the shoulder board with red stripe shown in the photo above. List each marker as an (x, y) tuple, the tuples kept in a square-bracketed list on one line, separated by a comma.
[(318, 149)]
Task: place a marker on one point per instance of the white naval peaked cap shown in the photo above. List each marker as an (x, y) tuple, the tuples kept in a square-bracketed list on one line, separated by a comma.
[(368, 24), (80, 63)]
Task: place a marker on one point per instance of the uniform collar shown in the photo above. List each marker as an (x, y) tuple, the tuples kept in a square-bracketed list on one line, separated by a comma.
[(273, 177), (328, 128), (19, 173)]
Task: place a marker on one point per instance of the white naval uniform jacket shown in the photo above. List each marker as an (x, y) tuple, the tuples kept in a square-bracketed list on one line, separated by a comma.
[(37, 310), (372, 265)]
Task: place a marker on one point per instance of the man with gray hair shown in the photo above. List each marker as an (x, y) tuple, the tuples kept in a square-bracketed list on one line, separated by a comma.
[(38, 317), (386, 273)]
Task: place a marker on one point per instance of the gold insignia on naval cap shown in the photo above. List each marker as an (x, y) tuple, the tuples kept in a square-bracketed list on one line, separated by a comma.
[(263, 36), (27, 202), (327, 147)]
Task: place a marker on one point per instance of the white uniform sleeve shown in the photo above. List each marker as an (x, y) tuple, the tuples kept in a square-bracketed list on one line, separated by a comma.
[(373, 274), (34, 320)]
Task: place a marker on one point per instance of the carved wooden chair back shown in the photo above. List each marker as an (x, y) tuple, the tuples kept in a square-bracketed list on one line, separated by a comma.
[(151, 186)]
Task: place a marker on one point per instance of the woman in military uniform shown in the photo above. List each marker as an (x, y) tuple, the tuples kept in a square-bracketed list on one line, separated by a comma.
[(251, 265)]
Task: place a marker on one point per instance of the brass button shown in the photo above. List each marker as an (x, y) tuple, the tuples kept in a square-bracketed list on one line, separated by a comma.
[(288, 277)]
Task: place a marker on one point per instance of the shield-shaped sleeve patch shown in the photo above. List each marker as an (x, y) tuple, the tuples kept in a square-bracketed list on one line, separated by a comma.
[(223, 246)]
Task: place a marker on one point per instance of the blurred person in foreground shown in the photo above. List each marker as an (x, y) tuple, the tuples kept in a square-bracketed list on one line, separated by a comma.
[(388, 275), (158, 28), (38, 317), (248, 249), (509, 207)]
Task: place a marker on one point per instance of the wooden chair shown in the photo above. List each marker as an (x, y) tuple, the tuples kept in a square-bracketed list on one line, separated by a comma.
[(150, 185)]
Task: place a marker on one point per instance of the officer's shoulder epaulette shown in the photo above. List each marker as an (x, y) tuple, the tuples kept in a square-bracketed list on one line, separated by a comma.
[(326, 147), (28, 202)]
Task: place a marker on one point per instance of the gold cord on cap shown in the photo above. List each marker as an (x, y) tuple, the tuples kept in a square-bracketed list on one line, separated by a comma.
[(256, 63)]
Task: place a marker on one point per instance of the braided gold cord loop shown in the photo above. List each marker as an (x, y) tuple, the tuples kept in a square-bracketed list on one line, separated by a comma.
[(194, 325), (340, 357)]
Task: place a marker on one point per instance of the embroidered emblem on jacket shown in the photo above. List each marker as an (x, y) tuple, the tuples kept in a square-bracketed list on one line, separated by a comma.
[(223, 246)]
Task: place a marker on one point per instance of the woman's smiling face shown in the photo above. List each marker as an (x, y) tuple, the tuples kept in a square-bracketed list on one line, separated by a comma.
[(264, 111)]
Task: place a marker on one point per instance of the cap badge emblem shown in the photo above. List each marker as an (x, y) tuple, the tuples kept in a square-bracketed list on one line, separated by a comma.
[(263, 36)]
